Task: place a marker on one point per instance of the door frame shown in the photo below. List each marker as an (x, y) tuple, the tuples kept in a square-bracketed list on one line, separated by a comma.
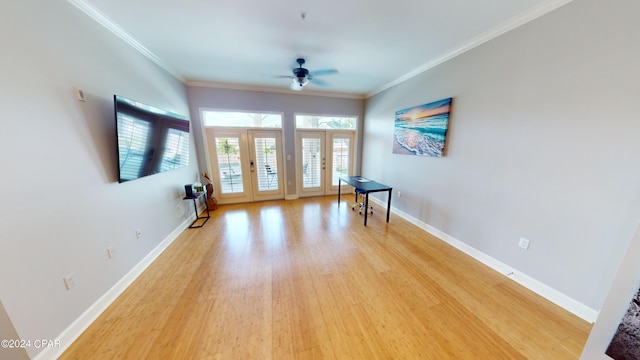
[(331, 189), (264, 195), (300, 173), (327, 137), (249, 176)]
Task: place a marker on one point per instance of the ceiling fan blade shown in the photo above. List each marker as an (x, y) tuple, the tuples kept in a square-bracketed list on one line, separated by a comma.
[(319, 82), (284, 76), (324, 72)]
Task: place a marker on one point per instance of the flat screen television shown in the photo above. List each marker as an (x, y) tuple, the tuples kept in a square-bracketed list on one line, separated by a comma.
[(150, 140)]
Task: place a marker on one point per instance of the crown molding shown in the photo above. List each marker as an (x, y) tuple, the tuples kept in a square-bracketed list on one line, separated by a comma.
[(229, 86), (505, 27), (119, 32)]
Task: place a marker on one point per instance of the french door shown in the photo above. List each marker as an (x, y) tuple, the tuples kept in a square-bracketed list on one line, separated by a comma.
[(323, 157), (247, 164)]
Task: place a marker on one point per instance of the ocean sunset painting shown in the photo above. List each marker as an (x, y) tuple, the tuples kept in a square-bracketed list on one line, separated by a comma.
[(422, 130)]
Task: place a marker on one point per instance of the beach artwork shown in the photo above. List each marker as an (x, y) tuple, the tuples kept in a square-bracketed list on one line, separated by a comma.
[(625, 344), (422, 130)]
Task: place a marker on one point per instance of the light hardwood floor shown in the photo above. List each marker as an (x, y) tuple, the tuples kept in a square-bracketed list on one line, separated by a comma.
[(305, 279)]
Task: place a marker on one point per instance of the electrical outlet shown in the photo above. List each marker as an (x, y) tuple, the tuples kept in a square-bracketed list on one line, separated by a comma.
[(111, 252), (523, 243), (399, 194), (138, 233), (70, 281)]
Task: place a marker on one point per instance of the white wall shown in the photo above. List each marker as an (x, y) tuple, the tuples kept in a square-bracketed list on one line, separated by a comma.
[(622, 291), (61, 204), (543, 144), (12, 350), (202, 97)]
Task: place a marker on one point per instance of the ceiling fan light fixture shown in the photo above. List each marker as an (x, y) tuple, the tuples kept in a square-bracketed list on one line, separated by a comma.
[(301, 80)]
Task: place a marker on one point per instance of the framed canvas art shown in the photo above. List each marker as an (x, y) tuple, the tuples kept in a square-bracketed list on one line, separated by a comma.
[(422, 130)]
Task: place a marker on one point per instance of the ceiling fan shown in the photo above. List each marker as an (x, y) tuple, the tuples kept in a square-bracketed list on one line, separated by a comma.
[(302, 76)]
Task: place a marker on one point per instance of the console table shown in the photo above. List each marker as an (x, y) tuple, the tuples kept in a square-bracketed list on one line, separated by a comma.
[(195, 198), (365, 186)]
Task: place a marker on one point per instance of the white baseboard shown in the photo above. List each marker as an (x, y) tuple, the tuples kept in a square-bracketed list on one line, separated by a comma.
[(575, 307), (71, 333)]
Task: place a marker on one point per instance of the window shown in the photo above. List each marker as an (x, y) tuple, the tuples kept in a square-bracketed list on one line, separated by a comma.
[(241, 119), (326, 122)]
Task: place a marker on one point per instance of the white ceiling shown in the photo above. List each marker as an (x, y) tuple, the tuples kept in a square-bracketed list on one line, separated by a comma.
[(373, 44)]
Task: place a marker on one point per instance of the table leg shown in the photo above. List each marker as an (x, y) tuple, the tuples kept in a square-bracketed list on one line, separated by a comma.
[(366, 207), (206, 203), (198, 217), (339, 187), (388, 205)]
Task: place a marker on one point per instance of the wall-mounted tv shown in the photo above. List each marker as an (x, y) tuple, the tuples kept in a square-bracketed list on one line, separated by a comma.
[(150, 140)]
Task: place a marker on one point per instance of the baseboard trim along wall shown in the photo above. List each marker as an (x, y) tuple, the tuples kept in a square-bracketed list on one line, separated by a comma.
[(575, 307), (71, 333)]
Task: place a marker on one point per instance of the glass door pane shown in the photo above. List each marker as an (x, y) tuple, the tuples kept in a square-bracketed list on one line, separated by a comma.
[(266, 164), (341, 159), (229, 169), (312, 163)]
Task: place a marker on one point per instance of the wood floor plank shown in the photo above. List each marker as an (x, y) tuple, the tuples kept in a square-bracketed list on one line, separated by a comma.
[(305, 279)]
